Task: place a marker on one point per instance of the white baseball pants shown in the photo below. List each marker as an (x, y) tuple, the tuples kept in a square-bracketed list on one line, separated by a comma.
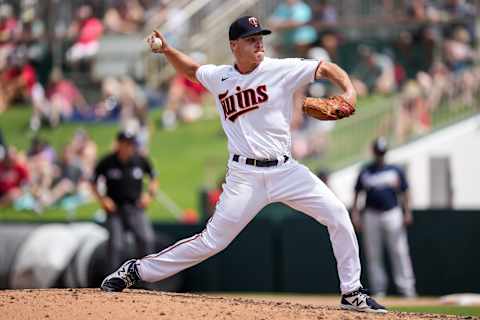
[(386, 228), (246, 191)]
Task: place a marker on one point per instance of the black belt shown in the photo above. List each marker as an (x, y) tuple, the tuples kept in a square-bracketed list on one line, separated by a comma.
[(259, 163)]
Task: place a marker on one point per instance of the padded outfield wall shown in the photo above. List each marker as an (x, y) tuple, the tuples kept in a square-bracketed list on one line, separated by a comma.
[(280, 251)]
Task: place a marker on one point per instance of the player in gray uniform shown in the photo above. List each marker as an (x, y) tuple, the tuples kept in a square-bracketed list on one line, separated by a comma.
[(254, 98), (386, 214)]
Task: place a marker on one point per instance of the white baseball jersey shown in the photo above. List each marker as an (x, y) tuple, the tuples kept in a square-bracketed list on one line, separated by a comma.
[(256, 108)]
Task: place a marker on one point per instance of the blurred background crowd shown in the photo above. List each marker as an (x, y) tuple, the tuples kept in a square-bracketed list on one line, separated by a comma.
[(86, 62)]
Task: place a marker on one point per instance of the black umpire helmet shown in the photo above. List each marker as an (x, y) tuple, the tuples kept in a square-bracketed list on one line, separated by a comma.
[(126, 136)]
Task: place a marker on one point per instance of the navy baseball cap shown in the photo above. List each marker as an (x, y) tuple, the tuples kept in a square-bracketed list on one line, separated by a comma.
[(246, 26), (380, 146)]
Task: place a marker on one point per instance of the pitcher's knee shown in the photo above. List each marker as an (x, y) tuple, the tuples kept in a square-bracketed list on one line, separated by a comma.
[(216, 245)]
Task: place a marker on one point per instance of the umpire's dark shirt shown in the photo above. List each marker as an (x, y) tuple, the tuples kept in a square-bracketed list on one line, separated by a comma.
[(124, 180), (382, 185)]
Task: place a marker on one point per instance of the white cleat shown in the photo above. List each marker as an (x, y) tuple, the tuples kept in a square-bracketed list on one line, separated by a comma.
[(359, 300)]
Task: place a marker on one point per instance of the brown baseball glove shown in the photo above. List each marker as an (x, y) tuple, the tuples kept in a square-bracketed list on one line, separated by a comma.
[(331, 108)]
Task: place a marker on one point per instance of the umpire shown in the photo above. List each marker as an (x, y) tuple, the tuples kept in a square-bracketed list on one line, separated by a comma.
[(386, 214), (124, 200)]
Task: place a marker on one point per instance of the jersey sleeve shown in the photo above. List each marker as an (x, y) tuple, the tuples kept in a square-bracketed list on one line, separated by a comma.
[(403, 180), (206, 75), (359, 184), (148, 168), (100, 169), (300, 72)]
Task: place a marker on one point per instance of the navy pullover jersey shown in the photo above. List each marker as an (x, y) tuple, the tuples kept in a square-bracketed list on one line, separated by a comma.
[(382, 185)]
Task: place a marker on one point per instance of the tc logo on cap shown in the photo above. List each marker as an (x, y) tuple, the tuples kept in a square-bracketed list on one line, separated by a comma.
[(253, 22)]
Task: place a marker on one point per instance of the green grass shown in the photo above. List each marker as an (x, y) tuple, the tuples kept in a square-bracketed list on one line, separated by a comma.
[(451, 310)]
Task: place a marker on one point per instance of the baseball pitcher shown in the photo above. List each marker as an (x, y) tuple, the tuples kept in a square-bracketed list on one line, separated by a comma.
[(254, 97)]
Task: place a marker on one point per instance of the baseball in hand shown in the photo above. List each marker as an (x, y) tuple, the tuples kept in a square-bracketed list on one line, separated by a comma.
[(156, 43)]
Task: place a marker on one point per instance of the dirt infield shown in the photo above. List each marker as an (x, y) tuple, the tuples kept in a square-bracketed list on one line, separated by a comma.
[(82, 304)]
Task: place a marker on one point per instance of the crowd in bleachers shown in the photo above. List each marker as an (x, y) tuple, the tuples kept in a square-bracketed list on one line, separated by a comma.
[(25, 51), (40, 177), (430, 61)]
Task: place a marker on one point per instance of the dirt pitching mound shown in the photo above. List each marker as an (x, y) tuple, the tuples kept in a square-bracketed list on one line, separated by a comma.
[(82, 304)]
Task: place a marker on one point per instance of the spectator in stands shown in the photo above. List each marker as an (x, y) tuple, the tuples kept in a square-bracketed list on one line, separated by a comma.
[(330, 41), (460, 58), (383, 222), (65, 98), (8, 24), (366, 72), (386, 83), (290, 19), (324, 15), (86, 31), (63, 101), (66, 179), (40, 148), (422, 11), (404, 56), (19, 80), (461, 13), (185, 99), (413, 114), (457, 51), (373, 73), (13, 176), (440, 87), (84, 151), (62, 181), (31, 35), (109, 106), (125, 16), (40, 160)]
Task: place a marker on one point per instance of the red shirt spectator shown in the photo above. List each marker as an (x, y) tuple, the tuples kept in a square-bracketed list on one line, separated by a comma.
[(193, 91), (7, 28), (12, 175), (66, 89), (91, 30), (26, 73)]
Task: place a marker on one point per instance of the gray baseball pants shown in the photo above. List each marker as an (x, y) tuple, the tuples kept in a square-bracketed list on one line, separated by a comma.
[(387, 229), (128, 218)]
